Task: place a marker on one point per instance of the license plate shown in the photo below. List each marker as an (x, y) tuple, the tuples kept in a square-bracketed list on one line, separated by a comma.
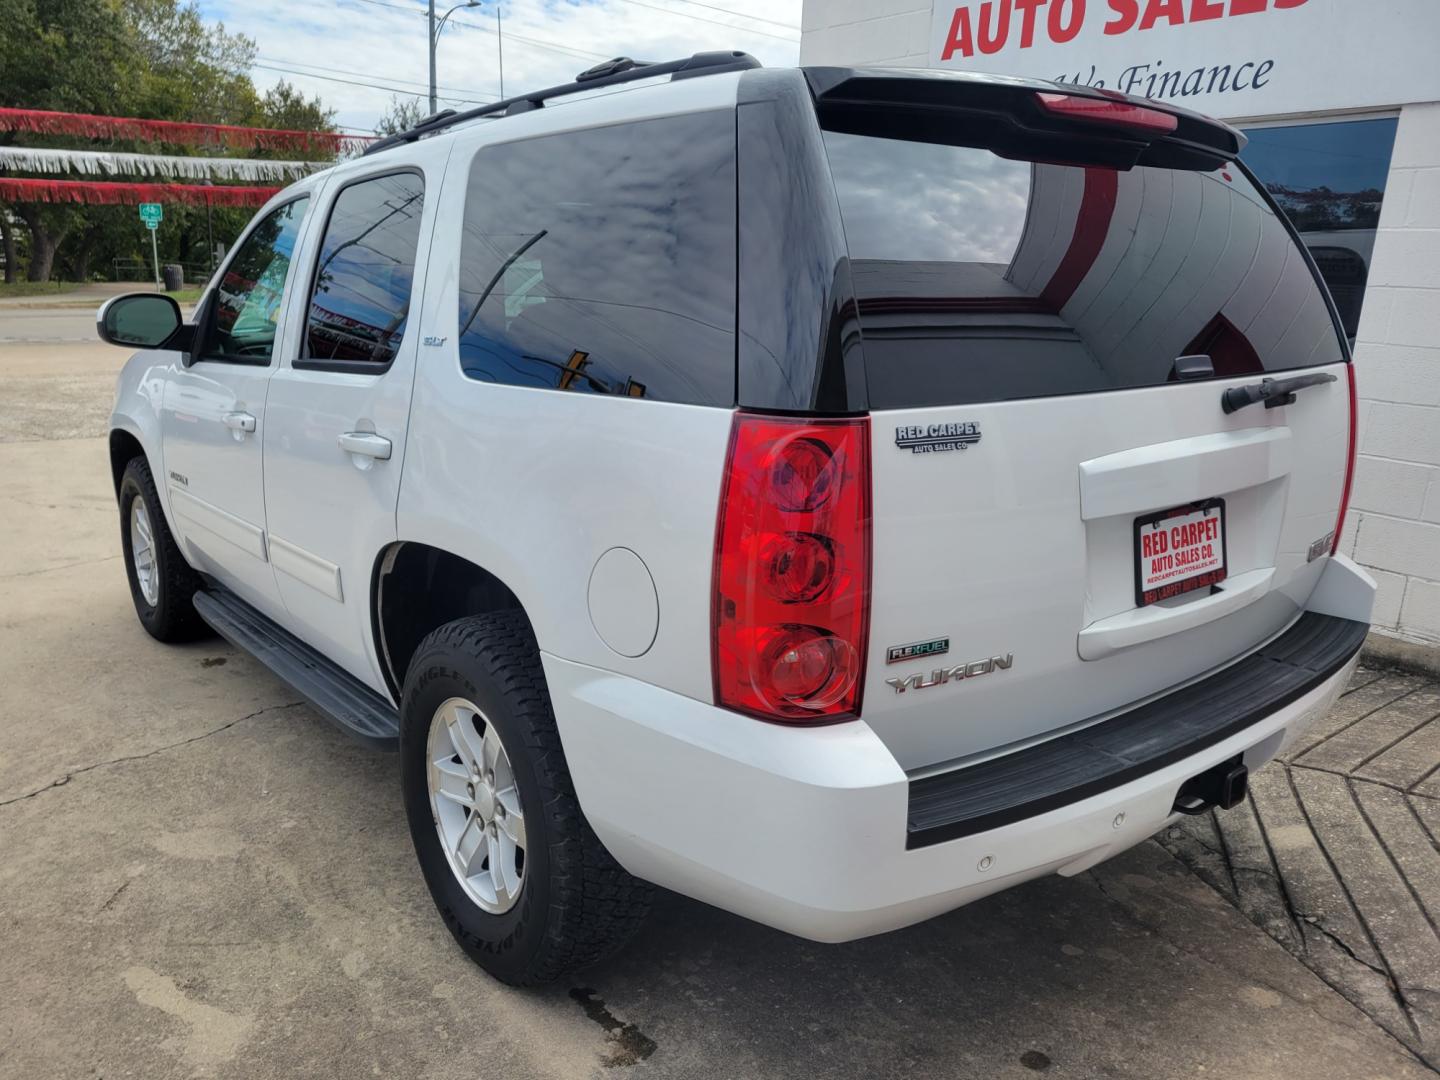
[(1179, 551)]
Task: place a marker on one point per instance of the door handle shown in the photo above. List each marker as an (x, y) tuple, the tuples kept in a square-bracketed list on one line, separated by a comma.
[(240, 421), (367, 444)]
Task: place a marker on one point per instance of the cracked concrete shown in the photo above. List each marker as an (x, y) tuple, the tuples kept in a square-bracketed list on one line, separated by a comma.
[(63, 780), (222, 886), (1336, 842)]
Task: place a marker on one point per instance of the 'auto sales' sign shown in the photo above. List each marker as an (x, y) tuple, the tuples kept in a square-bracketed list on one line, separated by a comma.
[(1230, 58)]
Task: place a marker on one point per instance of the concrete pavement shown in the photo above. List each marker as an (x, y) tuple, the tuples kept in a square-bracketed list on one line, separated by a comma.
[(198, 877), (1337, 854)]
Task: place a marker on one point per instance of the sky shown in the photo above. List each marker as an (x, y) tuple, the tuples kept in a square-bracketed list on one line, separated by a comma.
[(356, 54)]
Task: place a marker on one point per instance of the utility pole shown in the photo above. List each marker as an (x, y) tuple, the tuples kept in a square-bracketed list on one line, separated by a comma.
[(435, 28), (500, 44), (433, 103)]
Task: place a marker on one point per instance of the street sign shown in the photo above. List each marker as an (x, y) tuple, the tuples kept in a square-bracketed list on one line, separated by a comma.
[(152, 213)]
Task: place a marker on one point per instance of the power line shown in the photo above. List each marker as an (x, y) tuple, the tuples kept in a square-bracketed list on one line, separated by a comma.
[(371, 85), (742, 15), (509, 35), (387, 78), (712, 22)]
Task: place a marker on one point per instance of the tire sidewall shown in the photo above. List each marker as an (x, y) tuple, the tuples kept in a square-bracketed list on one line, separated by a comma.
[(131, 489), (504, 944)]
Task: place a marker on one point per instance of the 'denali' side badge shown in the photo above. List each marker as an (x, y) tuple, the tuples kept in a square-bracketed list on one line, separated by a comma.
[(937, 437)]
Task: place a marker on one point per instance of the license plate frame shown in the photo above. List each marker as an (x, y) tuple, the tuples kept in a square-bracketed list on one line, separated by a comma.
[(1150, 591)]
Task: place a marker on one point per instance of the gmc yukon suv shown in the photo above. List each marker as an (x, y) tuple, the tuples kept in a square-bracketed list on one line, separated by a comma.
[(835, 495)]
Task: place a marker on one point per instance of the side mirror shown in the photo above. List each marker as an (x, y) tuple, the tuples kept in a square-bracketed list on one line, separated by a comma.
[(143, 320)]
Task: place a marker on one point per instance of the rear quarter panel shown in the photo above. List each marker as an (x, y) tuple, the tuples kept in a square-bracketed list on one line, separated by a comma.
[(535, 485)]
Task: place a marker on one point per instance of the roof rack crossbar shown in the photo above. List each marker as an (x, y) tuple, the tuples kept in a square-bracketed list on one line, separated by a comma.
[(620, 70)]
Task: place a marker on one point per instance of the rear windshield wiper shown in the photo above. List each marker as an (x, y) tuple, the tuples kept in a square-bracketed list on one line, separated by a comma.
[(1273, 392)]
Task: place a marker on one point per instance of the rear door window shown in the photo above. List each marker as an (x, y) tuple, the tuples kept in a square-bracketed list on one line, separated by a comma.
[(603, 262), (360, 302), (982, 278)]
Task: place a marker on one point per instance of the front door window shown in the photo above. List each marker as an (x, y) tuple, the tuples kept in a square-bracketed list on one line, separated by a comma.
[(242, 322)]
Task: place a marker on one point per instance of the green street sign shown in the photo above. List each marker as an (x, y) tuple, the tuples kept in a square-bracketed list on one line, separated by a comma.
[(152, 213)]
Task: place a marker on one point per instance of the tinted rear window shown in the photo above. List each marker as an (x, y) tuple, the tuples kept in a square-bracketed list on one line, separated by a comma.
[(981, 278), (603, 261)]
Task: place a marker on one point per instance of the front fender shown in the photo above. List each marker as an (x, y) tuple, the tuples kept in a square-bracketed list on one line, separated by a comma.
[(139, 395)]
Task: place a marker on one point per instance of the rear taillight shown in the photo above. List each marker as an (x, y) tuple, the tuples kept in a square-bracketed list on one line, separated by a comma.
[(1349, 460), (791, 603), (1119, 114)]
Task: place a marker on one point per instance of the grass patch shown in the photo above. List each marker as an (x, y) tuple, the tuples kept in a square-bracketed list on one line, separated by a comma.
[(37, 288), (188, 296)]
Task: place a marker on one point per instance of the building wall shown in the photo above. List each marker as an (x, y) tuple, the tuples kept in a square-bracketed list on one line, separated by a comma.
[(1394, 525), (1394, 528), (865, 32)]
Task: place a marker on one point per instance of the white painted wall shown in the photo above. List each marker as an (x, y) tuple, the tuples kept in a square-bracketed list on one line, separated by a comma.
[(865, 32), (1394, 524)]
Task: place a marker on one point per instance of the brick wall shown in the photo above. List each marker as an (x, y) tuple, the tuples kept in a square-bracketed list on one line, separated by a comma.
[(1394, 526)]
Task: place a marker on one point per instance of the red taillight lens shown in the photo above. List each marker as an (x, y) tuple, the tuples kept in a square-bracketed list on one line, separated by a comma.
[(791, 605), (797, 568), (1349, 461), (1120, 114)]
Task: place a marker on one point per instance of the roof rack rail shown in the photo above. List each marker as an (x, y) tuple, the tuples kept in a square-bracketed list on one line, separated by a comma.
[(620, 70)]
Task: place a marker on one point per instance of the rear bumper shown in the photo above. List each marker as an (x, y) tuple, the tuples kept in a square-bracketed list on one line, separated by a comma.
[(806, 829)]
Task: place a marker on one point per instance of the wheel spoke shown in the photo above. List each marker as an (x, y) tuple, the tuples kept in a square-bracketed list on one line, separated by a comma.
[(493, 754), (501, 869), (472, 847), (512, 821), (452, 781), (465, 739), (142, 526)]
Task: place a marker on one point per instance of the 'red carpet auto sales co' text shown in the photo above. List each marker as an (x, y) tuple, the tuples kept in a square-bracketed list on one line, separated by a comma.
[(988, 28)]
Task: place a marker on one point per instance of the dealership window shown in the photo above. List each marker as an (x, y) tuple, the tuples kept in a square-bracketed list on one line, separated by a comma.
[(1330, 179)]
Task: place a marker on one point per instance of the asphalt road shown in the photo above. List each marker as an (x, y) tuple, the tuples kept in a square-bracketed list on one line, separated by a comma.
[(199, 877)]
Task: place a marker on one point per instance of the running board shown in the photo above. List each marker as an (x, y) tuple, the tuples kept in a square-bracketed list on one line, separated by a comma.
[(340, 697)]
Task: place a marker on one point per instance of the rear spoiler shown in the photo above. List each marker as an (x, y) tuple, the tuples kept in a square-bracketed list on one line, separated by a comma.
[(1020, 118)]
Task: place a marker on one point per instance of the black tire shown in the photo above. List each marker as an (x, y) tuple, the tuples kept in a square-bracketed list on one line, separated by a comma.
[(577, 905), (172, 618)]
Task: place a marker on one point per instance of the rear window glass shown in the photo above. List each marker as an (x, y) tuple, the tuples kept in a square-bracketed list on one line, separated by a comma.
[(980, 278), (603, 262)]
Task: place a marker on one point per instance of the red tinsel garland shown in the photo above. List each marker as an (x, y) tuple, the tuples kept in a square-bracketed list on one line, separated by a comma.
[(87, 125), (101, 193)]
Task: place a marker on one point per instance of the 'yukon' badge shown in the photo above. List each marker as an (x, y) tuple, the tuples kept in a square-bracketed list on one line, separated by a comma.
[(937, 437), (941, 676), (917, 650)]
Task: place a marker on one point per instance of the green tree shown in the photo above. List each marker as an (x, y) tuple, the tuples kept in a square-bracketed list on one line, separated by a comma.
[(67, 55), (285, 107), (402, 115), (157, 59)]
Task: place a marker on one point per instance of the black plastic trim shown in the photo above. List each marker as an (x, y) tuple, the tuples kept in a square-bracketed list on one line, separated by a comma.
[(1113, 752), (341, 698), (689, 67), (799, 345)]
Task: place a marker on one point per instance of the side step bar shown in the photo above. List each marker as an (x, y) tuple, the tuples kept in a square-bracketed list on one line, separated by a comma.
[(340, 697)]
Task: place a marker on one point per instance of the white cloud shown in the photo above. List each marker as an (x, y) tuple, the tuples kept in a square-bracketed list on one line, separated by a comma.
[(384, 42)]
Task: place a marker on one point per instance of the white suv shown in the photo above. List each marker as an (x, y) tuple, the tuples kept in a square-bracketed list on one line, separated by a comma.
[(831, 494)]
